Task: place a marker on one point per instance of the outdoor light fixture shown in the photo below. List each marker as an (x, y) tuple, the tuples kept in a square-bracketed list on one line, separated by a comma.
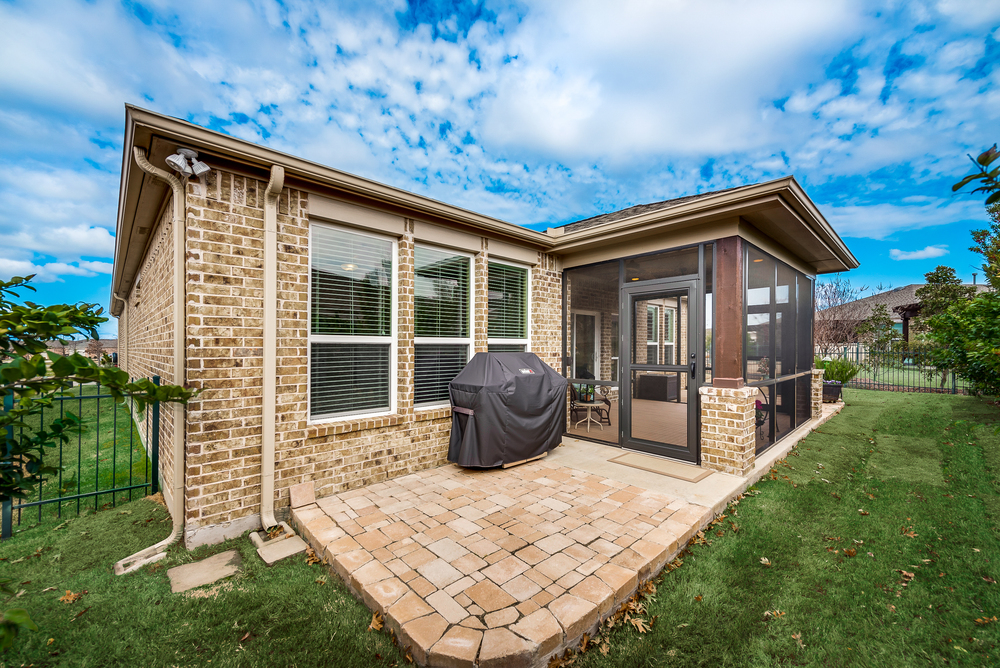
[(349, 266), (179, 162)]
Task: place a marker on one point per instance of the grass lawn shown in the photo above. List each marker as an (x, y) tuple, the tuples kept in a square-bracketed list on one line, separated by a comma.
[(107, 455), (279, 616), (906, 483), (909, 376)]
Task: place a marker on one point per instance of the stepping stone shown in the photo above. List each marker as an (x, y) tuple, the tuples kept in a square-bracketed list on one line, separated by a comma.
[(204, 572)]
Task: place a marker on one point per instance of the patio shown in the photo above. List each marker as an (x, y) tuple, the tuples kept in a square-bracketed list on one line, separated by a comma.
[(506, 567)]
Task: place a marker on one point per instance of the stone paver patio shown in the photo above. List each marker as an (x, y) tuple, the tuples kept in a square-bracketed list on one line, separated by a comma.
[(500, 567)]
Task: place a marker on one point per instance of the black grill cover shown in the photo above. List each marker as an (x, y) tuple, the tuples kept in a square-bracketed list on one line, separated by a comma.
[(506, 407)]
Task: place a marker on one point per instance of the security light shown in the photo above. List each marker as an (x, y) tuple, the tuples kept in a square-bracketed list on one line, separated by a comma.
[(200, 168), (179, 163)]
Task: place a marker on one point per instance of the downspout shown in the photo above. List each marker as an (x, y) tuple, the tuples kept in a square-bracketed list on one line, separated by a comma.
[(270, 353), (158, 551)]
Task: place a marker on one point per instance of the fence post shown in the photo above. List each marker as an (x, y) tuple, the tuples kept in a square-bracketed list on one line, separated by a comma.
[(7, 503), (155, 446), (954, 385)]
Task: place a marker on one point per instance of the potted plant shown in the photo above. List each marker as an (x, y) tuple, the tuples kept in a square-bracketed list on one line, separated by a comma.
[(837, 373)]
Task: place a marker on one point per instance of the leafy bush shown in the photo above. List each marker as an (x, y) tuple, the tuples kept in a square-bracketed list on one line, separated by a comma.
[(840, 370), (968, 338)]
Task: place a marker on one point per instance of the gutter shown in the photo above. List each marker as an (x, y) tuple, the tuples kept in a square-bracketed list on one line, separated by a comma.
[(270, 356), (158, 551)]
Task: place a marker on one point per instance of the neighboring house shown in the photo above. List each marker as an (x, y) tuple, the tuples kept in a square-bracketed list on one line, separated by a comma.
[(108, 346), (902, 304), (322, 316)]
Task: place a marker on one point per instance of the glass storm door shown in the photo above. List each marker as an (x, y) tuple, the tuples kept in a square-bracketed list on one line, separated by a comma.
[(659, 398)]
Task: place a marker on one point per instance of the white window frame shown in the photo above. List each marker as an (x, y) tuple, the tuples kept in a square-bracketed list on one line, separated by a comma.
[(655, 341), (526, 342), (669, 329), (596, 315), (468, 341), (392, 339)]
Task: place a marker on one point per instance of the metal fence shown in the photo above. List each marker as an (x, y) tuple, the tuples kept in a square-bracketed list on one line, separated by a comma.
[(115, 455), (901, 371)]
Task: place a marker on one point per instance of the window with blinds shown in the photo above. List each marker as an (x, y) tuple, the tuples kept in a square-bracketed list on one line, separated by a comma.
[(443, 332), (351, 334), (508, 305)]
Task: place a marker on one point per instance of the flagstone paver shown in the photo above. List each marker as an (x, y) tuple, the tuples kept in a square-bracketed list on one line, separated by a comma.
[(496, 568)]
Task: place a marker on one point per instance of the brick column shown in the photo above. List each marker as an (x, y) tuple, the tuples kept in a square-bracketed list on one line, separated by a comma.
[(728, 443), (480, 320), (817, 392), (406, 280)]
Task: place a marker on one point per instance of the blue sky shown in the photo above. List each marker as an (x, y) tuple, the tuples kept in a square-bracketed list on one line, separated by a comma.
[(536, 113)]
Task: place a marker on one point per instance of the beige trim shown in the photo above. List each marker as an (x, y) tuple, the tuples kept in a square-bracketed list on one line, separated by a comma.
[(335, 211), (652, 242), (443, 236), (506, 251), (270, 355)]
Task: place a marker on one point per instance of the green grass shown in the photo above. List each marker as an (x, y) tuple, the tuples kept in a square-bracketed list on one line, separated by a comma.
[(134, 620), (909, 376), (929, 462), (107, 455), (924, 464)]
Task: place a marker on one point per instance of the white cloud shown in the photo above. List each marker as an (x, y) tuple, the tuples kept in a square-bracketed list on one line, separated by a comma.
[(926, 253), (878, 221), (48, 272)]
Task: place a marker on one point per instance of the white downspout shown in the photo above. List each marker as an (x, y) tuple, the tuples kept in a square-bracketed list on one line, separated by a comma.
[(158, 551), (270, 353)]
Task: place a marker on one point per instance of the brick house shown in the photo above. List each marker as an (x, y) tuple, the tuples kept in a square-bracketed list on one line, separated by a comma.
[(322, 315)]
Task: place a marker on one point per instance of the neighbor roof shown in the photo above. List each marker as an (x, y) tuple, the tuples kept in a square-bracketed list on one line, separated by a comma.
[(861, 309)]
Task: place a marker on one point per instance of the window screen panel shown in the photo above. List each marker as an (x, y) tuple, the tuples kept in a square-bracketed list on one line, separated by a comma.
[(347, 378), (441, 293), (505, 348), (508, 302), (436, 366), (351, 283)]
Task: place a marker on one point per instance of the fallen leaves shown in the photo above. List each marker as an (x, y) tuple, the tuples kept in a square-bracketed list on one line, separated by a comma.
[(377, 622), (850, 552), (908, 532), (798, 639), (863, 512), (907, 577), (70, 597), (80, 614), (311, 557), (765, 562), (983, 621), (773, 614), (986, 578)]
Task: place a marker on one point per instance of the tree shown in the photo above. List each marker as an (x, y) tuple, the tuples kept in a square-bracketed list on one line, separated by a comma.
[(987, 241), (31, 376), (837, 313), (987, 244), (942, 290), (94, 349), (879, 333)]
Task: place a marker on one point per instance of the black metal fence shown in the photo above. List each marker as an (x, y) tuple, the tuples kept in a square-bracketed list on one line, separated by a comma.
[(901, 371), (116, 455)]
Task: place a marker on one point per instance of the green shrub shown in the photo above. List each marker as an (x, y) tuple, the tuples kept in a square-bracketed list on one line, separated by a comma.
[(840, 369)]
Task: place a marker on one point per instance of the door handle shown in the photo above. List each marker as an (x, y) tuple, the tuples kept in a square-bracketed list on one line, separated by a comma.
[(692, 369)]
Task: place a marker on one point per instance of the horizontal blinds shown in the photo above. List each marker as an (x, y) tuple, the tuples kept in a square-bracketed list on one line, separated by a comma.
[(351, 283), (348, 378), (441, 293), (508, 302), (436, 366), (505, 348)]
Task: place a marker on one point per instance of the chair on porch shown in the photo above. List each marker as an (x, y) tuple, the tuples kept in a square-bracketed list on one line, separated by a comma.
[(603, 412)]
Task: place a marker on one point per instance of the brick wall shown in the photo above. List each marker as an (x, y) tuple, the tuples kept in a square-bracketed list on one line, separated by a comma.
[(146, 330), (225, 339)]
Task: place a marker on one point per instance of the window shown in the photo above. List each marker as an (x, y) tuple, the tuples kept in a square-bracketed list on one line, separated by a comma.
[(669, 314), (652, 335), (443, 333), (352, 337), (507, 325)]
